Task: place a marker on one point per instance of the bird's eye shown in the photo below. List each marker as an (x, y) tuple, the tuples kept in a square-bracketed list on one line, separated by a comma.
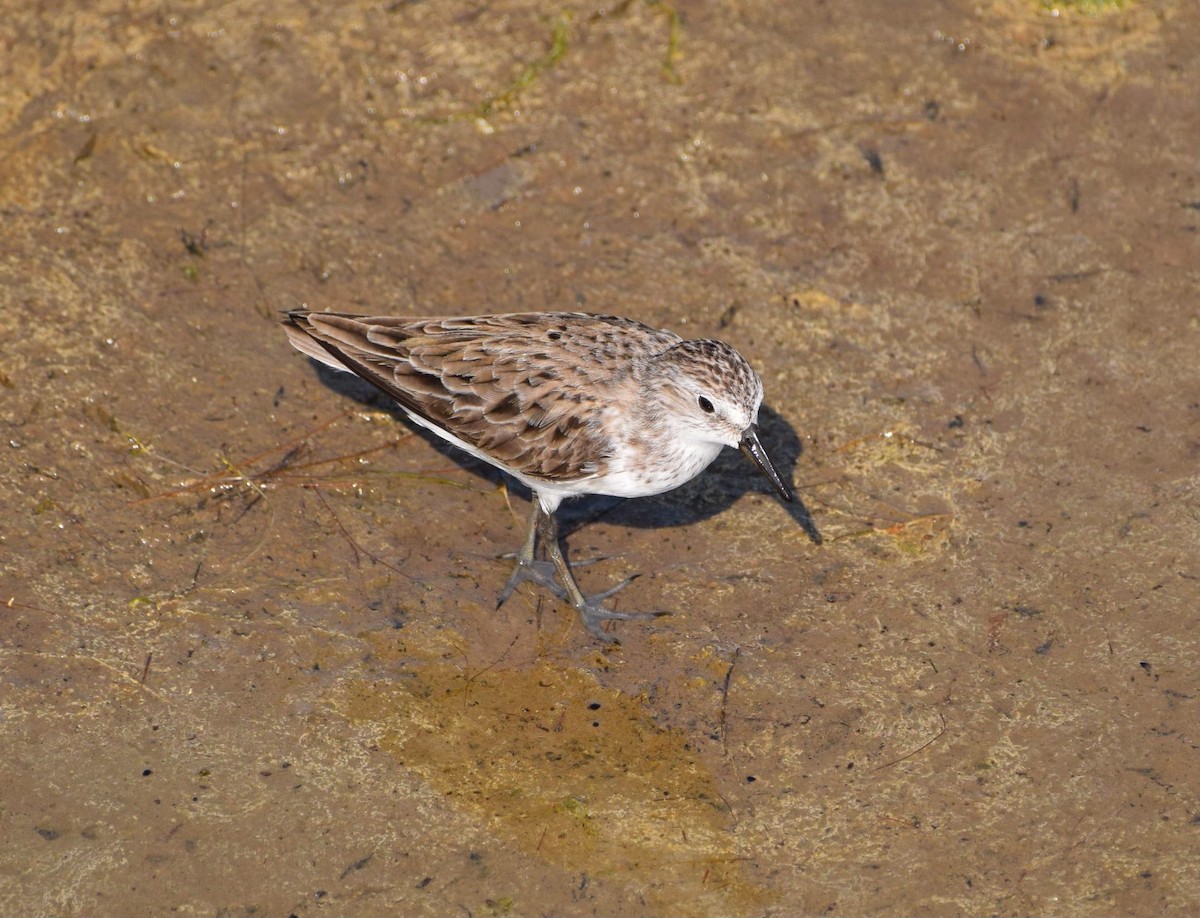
[(706, 406)]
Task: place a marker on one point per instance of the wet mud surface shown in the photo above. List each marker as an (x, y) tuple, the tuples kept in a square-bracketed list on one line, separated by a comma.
[(251, 662)]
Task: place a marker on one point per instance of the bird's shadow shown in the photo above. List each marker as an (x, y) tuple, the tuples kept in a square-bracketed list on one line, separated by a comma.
[(712, 492)]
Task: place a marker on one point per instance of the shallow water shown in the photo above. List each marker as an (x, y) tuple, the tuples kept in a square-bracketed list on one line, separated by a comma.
[(251, 656)]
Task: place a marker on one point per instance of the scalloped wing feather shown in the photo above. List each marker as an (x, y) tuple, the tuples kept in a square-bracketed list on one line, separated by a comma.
[(529, 390)]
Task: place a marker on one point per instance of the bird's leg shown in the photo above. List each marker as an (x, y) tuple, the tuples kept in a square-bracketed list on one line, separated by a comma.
[(541, 538), (529, 566), (591, 609)]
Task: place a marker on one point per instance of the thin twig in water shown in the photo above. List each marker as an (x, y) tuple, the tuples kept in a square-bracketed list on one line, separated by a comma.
[(294, 447), (354, 546), (13, 604), (725, 699), (490, 666), (924, 745)]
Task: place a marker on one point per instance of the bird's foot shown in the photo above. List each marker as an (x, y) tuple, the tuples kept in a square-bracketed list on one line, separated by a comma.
[(535, 571), (540, 572), (593, 613)]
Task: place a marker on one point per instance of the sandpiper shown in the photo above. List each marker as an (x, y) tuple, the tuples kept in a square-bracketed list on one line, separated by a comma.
[(566, 403)]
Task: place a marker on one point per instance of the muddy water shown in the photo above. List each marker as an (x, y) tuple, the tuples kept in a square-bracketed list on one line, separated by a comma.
[(251, 661)]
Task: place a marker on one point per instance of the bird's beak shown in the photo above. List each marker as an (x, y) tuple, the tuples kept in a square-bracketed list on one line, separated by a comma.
[(754, 451)]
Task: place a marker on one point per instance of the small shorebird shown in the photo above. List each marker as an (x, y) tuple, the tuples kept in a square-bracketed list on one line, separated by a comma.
[(566, 403)]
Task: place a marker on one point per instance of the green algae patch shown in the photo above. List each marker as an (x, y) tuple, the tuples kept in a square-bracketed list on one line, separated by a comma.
[(570, 772)]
